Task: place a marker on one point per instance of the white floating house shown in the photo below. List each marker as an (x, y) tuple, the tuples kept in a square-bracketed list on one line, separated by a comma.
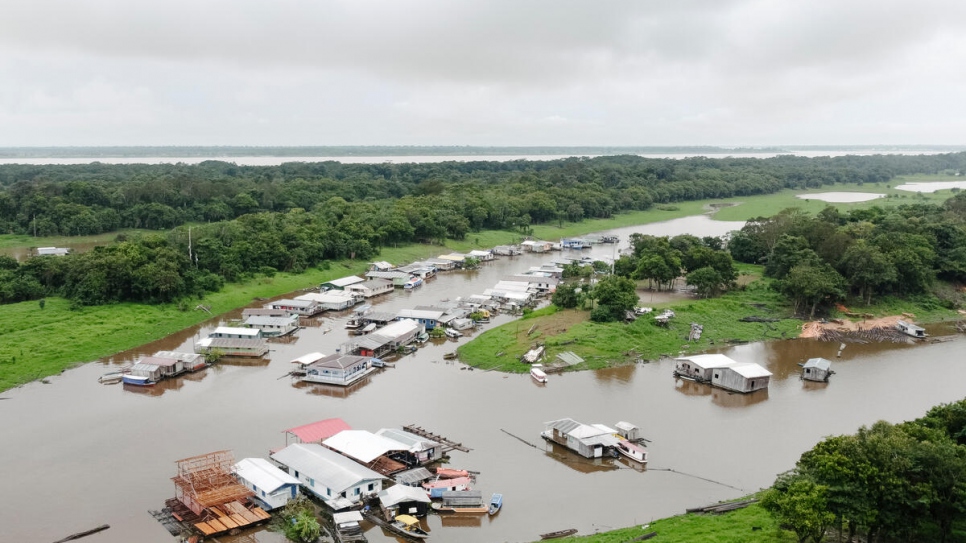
[(338, 369), (335, 479), (817, 369), (273, 487), (191, 361), (741, 377), (405, 500), (382, 265), (273, 326), (230, 332), (423, 450), (398, 278), (305, 308), (366, 447), (389, 338), (371, 288), (429, 318), (333, 300), (52, 251), (910, 329), (699, 367), (587, 440), (482, 256), (232, 347)]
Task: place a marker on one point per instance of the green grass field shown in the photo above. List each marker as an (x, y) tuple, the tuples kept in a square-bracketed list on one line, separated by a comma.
[(751, 524)]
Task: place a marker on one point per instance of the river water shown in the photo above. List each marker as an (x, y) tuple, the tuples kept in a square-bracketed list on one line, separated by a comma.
[(76, 454)]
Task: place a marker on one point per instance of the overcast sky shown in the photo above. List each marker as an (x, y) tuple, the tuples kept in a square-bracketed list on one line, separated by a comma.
[(489, 72)]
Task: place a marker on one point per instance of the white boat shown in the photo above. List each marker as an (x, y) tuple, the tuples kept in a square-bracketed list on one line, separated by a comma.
[(111, 377), (538, 374), (137, 380), (453, 334), (633, 451), (413, 283)]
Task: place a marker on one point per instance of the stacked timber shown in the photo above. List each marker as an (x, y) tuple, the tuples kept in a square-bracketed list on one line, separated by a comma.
[(722, 507)]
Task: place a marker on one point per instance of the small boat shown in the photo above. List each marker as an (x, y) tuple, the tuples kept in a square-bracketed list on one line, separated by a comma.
[(408, 526), (413, 283), (496, 502), (633, 451), (422, 338), (453, 334), (368, 329), (111, 377), (449, 356), (378, 363), (137, 380), (538, 374), (558, 533)]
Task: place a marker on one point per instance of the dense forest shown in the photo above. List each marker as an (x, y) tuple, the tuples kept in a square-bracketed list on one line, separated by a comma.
[(261, 219), (888, 482)]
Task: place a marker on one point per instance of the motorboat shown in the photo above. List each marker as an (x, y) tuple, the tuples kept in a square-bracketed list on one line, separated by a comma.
[(536, 371), (496, 502)]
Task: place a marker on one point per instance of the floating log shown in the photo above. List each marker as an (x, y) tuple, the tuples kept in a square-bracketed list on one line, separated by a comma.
[(85, 533), (721, 507), (643, 537), (558, 533)]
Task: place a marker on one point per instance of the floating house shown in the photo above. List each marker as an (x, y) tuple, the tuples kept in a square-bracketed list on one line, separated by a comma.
[(389, 338), (817, 369), (398, 278), (233, 347), (333, 300), (587, 440), (466, 501), (273, 326), (482, 256), (575, 243), (340, 284), (911, 329), (230, 332), (413, 477), (435, 488), (335, 479), (429, 318), (52, 251), (542, 283), (442, 264), (338, 369), (404, 500), (536, 246), (507, 250), (377, 453), (264, 312), (699, 367), (273, 487), (191, 361), (742, 377), (381, 266), (379, 318), (371, 288), (304, 308), (628, 431), (347, 526), (423, 450), (316, 432)]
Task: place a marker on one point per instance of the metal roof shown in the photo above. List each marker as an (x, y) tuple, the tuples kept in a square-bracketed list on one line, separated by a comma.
[(419, 314), (402, 493), (339, 360), (231, 343), (413, 476), (707, 361), (348, 516), (236, 331), (363, 445), (262, 320), (327, 467), (398, 329), (819, 363), (749, 370), (309, 358), (344, 281), (293, 303), (318, 431), (158, 361), (415, 442), (331, 296), (184, 357), (263, 474), (570, 358), (388, 274)]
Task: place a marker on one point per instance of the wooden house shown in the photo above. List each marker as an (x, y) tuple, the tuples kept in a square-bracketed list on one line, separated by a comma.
[(429, 318), (371, 288), (273, 326), (191, 361), (442, 264), (340, 284), (315, 432), (482, 256), (536, 246), (817, 369), (273, 487), (413, 477), (304, 308), (423, 450), (398, 278), (338, 369), (232, 347), (587, 440), (230, 332), (404, 500), (742, 377), (507, 250), (910, 329), (333, 300), (331, 477)]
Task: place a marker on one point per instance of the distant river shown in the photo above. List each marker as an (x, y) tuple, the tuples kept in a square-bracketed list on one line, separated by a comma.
[(421, 159), (77, 454)]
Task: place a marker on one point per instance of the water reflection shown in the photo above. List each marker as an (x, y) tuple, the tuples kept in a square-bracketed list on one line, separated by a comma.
[(458, 520), (576, 462), (333, 391), (692, 388), (154, 390), (616, 375), (725, 398)]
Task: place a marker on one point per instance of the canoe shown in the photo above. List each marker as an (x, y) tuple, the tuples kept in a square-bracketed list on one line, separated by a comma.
[(450, 473), (559, 533)]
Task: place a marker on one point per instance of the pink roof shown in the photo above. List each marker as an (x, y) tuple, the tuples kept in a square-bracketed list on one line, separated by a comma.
[(318, 431), (448, 483)]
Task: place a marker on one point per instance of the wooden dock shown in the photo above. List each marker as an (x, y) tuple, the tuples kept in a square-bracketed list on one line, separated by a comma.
[(447, 445), (214, 520)]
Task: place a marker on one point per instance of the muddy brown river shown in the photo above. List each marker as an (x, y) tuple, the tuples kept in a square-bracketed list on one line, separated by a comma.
[(76, 454)]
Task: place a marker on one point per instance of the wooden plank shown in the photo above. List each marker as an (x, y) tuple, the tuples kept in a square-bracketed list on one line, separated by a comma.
[(204, 528), (218, 526), (262, 514), (249, 517), (230, 522)]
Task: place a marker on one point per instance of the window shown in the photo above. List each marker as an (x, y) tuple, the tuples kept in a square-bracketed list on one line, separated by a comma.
[(311, 481), (357, 491), (716, 376), (372, 486)]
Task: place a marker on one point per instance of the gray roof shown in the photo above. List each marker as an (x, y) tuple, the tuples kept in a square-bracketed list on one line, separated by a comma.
[(413, 476), (419, 314), (262, 320), (402, 493), (387, 274), (819, 363), (326, 466), (413, 441), (337, 360), (569, 358)]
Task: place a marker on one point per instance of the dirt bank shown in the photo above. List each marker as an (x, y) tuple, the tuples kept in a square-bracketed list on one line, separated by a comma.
[(815, 328)]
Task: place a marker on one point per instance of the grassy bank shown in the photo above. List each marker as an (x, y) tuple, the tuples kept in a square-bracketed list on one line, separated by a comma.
[(607, 344), (749, 525), (41, 342)]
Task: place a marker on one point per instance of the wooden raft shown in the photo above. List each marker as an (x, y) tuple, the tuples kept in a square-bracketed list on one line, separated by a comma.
[(227, 517)]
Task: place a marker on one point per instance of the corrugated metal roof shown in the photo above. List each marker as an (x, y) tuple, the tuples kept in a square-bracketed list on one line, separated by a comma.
[(293, 303), (707, 361), (158, 361), (348, 516), (339, 360), (238, 331), (318, 431), (819, 363), (570, 358), (563, 426), (363, 445), (344, 281), (398, 328), (402, 493), (232, 343), (262, 320), (263, 474), (413, 476), (308, 358), (415, 442), (184, 357), (749, 370), (328, 467), (387, 274), (419, 314)]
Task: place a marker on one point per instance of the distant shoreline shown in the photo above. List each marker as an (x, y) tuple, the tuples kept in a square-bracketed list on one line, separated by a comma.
[(227, 152)]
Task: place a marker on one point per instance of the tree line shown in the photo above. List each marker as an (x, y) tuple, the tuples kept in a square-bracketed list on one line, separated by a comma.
[(888, 482)]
